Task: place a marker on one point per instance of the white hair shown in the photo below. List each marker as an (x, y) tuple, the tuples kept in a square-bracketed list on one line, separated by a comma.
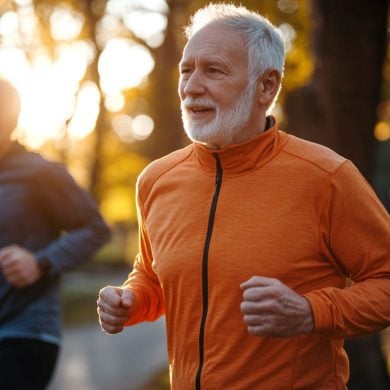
[(264, 41)]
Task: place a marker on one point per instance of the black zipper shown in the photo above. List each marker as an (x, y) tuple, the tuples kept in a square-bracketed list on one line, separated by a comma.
[(205, 260)]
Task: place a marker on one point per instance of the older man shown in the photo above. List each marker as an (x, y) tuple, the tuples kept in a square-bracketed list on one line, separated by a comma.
[(250, 237), (47, 226)]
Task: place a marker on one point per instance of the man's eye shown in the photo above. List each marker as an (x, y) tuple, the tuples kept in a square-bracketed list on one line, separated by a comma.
[(185, 71), (214, 70)]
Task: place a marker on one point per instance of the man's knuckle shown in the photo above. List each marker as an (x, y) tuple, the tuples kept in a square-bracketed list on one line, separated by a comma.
[(251, 320), (251, 294), (116, 321), (254, 330), (112, 320), (102, 292)]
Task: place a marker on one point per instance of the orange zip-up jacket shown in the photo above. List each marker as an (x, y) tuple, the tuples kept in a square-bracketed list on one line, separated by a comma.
[(276, 206)]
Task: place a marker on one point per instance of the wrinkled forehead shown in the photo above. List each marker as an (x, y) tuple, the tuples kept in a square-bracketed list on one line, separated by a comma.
[(216, 39)]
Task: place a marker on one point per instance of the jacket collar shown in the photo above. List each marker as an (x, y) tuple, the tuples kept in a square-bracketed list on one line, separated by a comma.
[(238, 159)]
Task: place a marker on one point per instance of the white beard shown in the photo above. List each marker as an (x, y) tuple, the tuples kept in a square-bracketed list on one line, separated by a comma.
[(228, 122)]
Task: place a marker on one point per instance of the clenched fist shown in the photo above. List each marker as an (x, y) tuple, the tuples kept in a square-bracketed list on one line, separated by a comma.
[(270, 308), (114, 308), (19, 266)]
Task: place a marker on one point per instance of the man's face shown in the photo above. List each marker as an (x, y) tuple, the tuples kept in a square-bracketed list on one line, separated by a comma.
[(216, 99)]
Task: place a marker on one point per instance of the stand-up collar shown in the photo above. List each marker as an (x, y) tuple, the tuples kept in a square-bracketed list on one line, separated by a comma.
[(241, 158)]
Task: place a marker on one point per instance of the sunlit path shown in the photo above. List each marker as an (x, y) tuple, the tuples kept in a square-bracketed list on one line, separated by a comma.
[(92, 360)]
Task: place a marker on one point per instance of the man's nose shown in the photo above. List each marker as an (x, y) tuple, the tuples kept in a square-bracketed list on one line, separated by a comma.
[(194, 85)]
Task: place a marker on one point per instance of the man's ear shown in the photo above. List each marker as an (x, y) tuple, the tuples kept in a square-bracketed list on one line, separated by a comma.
[(268, 86)]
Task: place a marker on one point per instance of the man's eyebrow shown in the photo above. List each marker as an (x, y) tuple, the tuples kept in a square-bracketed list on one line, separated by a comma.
[(217, 62), (208, 62), (183, 63)]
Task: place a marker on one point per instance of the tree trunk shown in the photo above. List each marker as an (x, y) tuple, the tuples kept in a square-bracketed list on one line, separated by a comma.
[(100, 128), (338, 108)]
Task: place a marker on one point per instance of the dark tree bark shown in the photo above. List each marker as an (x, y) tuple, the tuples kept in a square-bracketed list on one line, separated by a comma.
[(338, 107)]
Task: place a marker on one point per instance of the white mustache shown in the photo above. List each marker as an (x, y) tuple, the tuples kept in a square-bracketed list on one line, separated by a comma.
[(191, 103)]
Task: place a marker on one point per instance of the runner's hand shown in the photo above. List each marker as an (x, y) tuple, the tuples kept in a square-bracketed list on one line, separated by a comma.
[(270, 308), (19, 266), (114, 308)]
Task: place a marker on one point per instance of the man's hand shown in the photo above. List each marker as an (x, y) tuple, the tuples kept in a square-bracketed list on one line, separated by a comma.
[(19, 266), (114, 308), (270, 308)]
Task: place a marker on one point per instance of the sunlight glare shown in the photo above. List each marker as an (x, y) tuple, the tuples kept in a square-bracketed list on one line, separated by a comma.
[(114, 103), (122, 125), (72, 62), (13, 63), (133, 129), (110, 23), (145, 23), (155, 40), (87, 109), (45, 106), (118, 7), (147, 20), (289, 34), (23, 2), (153, 5), (142, 127), (48, 90), (9, 24), (108, 28), (65, 23), (87, 47), (123, 64), (288, 6), (28, 23)]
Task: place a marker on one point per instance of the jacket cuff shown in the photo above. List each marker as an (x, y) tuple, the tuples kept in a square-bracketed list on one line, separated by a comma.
[(44, 263), (135, 309), (321, 319)]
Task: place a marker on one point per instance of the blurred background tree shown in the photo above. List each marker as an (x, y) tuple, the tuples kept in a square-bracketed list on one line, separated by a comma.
[(338, 107), (98, 81)]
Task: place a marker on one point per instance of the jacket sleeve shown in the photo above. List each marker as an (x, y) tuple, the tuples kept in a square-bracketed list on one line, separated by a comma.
[(143, 281), (355, 231), (71, 211)]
